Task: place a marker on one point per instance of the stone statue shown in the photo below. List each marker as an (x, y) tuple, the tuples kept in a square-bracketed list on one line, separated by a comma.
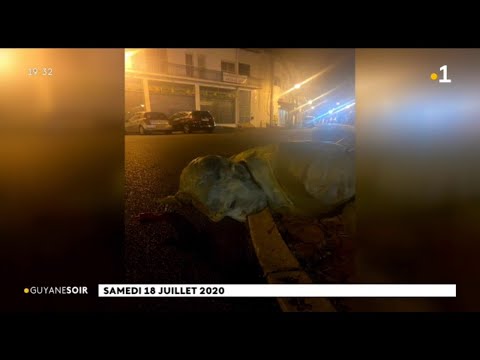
[(297, 178), (293, 178)]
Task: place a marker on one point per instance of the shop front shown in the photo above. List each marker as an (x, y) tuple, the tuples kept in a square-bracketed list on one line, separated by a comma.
[(170, 98), (220, 102)]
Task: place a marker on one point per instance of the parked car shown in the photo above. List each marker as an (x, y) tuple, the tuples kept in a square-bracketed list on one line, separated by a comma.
[(188, 121), (146, 122), (309, 121)]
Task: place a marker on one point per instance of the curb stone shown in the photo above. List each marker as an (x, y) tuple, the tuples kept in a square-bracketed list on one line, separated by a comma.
[(279, 265)]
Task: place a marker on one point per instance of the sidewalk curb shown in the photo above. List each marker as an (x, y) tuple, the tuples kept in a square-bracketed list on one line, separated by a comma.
[(279, 265)]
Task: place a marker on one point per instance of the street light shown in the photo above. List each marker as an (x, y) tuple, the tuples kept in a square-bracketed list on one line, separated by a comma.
[(297, 86), (313, 107), (315, 99), (128, 58), (310, 102)]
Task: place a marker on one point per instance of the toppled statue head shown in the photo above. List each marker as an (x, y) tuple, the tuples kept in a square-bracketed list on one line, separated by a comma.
[(312, 179), (303, 179), (220, 187)]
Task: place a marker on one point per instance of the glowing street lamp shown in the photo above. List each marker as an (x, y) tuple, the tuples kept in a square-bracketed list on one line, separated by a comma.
[(128, 58), (315, 99), (297, 86)]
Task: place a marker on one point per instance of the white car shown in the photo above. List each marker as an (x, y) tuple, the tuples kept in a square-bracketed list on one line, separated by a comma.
[(147, 122)]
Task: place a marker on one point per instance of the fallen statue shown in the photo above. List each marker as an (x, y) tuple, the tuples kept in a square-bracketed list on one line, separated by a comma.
[(294, 178)]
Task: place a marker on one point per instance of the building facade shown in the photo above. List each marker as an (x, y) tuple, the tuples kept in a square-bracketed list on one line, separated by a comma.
[(238, 86)]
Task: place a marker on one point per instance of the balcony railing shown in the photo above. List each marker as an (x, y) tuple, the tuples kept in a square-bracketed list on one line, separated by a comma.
[(165, 68)]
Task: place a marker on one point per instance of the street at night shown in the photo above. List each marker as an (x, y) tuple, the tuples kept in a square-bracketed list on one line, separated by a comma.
[(153, 165), (189, 222), (247, 180)]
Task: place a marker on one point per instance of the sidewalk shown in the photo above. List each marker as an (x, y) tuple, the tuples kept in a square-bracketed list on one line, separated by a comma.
[(326, 132), (292, 133), (301, 250)]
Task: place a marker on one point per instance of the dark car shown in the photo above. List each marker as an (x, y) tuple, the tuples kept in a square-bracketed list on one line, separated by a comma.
[(146, 122), (188, 121)]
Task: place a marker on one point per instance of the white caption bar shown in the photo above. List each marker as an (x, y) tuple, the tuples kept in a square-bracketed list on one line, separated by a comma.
[(278, 290)]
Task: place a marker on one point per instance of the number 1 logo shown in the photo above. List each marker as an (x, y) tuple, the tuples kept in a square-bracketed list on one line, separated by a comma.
[(445, 78)]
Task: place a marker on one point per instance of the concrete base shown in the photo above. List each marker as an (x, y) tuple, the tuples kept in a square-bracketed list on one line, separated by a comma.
[(279, 265), (272, 253), (227, 125)]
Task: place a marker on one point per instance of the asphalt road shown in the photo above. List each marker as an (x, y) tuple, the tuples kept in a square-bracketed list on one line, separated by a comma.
[(153, 164)]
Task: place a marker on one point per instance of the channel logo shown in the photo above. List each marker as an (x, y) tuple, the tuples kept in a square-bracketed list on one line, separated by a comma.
[(56, 290)]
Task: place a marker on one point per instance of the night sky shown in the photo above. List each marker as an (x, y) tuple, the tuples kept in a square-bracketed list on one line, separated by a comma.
[(311, 61)]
